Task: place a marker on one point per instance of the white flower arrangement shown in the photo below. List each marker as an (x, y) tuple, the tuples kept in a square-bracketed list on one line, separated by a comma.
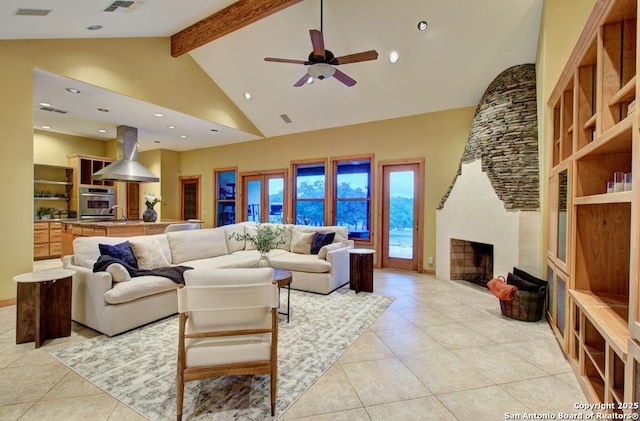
[(150, 199)]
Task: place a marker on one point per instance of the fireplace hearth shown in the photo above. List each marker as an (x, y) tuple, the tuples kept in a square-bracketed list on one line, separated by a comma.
[(471, 261)]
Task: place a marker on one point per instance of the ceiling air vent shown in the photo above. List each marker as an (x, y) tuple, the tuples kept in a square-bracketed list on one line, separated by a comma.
[(32, 12), (51, 110), (123, 6), (285, 118)]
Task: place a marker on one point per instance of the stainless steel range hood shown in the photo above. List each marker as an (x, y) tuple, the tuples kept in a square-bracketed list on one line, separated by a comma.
[(126, 167)]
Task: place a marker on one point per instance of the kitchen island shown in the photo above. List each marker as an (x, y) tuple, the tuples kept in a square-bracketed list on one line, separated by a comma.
[(72, 230)]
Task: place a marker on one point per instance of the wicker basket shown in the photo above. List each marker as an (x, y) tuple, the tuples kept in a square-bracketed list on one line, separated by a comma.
[(527, 306)]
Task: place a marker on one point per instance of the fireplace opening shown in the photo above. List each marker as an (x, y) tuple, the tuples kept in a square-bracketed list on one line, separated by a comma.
[(471, 261)]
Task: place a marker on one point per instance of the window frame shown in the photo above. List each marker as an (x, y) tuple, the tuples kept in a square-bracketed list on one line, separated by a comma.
[(335, 162), (294, 187)]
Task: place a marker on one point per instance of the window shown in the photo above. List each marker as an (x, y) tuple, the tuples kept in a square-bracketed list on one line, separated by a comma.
[(309, 193), (225, 196), (352, 196)]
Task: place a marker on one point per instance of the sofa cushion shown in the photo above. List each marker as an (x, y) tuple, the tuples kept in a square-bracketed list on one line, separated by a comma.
[(232, 243), (301, 242), (320, 240), (148, 254), (121, 251), (341, 231), (138, 287), (118, 273), (197, 244), (322, 253), (251, 229), (300, 262), (227, 261), (285, 236)]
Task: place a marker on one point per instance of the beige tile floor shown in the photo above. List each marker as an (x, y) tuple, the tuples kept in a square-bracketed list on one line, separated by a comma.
[(441, 351)]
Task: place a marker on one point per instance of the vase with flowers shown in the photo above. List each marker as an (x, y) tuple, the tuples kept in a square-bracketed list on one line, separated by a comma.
[(149, 214), (265, 237)]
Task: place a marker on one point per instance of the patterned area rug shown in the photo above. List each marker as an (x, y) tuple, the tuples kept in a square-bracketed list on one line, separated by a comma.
[(139, 367)]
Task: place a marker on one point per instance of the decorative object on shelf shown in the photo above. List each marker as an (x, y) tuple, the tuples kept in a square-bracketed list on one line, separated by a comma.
[(45, 213), (265, 238), (618, 181), (627, 181), (149, 214)]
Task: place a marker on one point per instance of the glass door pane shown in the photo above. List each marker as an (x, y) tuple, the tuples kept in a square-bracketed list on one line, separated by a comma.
[(276, 198), (401, 211), (254, 188)]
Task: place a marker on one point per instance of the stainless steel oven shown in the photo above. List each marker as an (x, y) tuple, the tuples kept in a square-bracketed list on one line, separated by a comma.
[(97, 202)]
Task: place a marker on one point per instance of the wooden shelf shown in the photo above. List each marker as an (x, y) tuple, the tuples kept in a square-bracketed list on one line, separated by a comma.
[(58, 183), (591, 123), (608, 313), (598, 199), (626, 94), (616, 139), (597, 357)]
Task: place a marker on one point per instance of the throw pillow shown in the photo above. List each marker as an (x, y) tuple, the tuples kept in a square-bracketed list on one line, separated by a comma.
[(149, 255), (301, 242), (321, 239), (118, 273), (120, 251), (521, 284), (528, 277), (322, 253)]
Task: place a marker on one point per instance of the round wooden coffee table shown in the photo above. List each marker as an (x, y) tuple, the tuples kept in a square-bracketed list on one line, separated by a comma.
[(283, 278)]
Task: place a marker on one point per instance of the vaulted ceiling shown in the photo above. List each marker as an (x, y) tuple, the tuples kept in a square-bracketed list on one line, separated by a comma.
[(449, 65)]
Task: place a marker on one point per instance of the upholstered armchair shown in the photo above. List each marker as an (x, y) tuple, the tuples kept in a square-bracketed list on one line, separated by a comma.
[(228, 325)]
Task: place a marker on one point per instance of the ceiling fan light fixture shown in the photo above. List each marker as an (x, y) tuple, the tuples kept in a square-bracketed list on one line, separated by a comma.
[(310, 80), (321, 71)]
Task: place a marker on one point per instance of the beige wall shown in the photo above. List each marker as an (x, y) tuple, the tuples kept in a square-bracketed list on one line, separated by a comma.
[(439, 138), (562, 23), (53, 148), (140, 68)]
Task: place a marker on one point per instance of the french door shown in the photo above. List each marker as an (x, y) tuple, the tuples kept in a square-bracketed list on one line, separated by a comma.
[(401, 234), (263, 197)]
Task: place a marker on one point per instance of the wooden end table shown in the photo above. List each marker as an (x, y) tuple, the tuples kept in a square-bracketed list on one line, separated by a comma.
[(283, 278), (361, 269), (43, 309)]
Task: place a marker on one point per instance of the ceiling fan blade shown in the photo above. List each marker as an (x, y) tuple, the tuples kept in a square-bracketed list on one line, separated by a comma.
[(354, 58), (302, 81), (284, 60), (317, 40), (344, 78)]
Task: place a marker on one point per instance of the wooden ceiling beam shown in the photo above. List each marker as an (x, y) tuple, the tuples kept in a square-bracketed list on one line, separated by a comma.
[(229, 19)]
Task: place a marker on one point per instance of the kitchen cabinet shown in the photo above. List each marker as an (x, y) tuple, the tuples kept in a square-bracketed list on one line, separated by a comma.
[(47, 239), (84, 166)]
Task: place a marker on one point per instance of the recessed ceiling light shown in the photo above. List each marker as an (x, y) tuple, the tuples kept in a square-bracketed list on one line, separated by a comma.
[(46, 127), (103, 110), (183, 136), (247, 96), (159, 115), (422, 25), (171, 127), (102, 130), (94, 27), (394, 57), (44, 104), (73, 90)]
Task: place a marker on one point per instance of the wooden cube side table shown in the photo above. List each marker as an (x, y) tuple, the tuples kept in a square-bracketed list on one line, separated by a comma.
[(43, 309), (361, 269)]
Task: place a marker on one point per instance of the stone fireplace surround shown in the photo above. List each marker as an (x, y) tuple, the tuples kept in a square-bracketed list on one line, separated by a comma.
[(473, 212), (494, 197)]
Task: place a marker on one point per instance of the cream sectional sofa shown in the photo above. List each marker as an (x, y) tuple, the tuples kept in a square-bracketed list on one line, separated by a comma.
[(115, 307)]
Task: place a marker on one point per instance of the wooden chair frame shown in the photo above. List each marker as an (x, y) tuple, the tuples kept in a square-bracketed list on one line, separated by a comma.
[(255, 367)]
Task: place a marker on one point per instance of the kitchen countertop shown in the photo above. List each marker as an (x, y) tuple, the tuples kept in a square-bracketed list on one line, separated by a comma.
[(120, 223)]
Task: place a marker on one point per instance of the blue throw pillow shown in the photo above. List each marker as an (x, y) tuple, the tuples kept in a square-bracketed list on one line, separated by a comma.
[(122, 251), (320, 239)]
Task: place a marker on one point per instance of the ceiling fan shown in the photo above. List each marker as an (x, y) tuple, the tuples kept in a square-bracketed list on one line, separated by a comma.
[(322, 62)]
